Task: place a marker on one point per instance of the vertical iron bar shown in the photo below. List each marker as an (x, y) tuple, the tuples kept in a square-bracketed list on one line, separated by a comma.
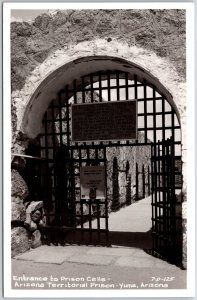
[(92, 91), (170, 199), (127, 83), (83, 90), (118, 92), (75, 91), (83, 95), (164, 188), (145, 112), (154, 115), (106, 200), (136, 176), (109, 86), (98, 222), (100, 88), (173, 200), (109, 89), (155, 239), (53, 125), (75, 102), (60, 117), (81, 204), (173, 130), (92, 88), (47, 157), (97, 205), (89, 205), (72, 195), (159, 191), (153, 195), (90, 221), (136, 94), (67, 117), (168, 194), (143, 181), (126, 92), (163, 118), (148, 181), (54, 153), (155, 199), (117, 86)]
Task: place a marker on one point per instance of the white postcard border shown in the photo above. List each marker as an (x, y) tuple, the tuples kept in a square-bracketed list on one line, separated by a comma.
[(8, 292)]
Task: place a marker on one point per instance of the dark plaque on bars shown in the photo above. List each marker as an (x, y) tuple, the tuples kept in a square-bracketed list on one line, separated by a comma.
[(104, 121)]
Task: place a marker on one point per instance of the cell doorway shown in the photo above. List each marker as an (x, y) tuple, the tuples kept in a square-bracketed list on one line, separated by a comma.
[(143, 176)]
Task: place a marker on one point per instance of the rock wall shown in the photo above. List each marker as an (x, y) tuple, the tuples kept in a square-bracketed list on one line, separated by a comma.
[(123, 161), (160, 31), (19, 235), (24, 229)]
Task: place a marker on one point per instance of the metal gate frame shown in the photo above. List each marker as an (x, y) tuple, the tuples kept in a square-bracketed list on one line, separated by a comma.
[(166, 229), (68, 226), (160, 120)]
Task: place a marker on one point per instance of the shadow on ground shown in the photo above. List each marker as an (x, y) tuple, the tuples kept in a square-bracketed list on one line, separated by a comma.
[(140, 240)]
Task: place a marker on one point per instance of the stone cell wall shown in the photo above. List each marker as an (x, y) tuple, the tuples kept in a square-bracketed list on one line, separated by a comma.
[(153, 39), (141, 156)]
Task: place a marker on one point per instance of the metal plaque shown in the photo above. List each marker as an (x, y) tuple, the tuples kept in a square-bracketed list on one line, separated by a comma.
[(104, 121), (92, 181)]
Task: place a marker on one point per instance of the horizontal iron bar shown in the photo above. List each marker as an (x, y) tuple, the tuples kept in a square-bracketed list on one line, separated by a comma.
[(76, 215), (66, 228), (27, 156), (108, 145), (89, 89), (156, 158), (163, 234), (155, 114)]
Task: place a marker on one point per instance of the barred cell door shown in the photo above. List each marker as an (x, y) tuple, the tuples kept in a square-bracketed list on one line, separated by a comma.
[(166, 233), (70, 218)]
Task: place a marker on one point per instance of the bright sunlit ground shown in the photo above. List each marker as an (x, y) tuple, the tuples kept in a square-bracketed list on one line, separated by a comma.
[(133, 218)]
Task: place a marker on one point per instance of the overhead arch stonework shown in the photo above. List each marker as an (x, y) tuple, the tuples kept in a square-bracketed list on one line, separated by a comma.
[(62, 66), (68, 72), (69, 63)]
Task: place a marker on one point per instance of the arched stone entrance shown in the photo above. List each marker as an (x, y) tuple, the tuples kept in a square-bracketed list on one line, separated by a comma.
[(86, 58), (53, 83), (91, 70), (162, 71)]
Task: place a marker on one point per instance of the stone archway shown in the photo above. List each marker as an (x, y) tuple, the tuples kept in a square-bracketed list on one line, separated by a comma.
[(163, 73), (65, 65), (51, 85)]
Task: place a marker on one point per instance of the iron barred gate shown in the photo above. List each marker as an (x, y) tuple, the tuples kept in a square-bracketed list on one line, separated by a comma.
[(166, 204), (71, 219)]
